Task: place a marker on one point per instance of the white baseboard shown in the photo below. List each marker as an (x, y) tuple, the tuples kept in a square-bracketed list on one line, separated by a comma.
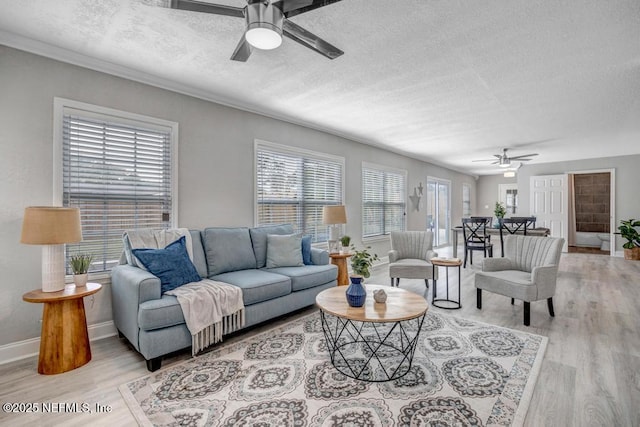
[(31, 347)]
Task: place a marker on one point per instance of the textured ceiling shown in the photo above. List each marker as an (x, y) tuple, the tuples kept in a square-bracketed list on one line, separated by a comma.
[(442, 81)]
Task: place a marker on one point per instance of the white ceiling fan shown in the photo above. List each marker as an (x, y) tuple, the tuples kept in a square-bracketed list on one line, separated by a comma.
[(504, 161)]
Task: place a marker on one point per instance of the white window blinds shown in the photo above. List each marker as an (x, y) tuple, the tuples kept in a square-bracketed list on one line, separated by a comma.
[(293, 186), (119, 175), (383, 201)]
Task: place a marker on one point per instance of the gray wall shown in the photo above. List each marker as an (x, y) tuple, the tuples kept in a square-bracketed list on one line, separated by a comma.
[(216, 177), (487, 189), (627, 197)]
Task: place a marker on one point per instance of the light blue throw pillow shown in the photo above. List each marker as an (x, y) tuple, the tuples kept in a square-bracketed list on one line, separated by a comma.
[(284, 250), (171, 264)]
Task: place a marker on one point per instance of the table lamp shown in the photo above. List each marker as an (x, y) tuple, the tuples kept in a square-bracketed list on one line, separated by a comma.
[(333, 216), (51, 227)]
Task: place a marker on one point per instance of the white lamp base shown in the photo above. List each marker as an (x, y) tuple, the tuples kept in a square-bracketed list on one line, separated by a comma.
[(53, 268)]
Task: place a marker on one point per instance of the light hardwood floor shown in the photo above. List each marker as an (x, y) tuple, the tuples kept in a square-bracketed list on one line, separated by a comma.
[(590, 375)]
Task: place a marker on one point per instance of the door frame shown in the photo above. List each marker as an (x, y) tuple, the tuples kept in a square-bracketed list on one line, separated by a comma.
[(612, 204), (447, 232)]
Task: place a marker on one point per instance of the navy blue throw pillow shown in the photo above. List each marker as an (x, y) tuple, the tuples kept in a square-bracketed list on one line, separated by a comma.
[(171, 264), (306, 250)]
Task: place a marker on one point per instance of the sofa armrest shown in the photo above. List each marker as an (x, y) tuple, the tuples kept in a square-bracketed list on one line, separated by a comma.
[(131, 286), (393, 255), (319, 256), (496, 264)]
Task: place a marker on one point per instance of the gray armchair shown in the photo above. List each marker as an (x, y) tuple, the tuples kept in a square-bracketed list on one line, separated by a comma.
[(527, 272), (409, 256)]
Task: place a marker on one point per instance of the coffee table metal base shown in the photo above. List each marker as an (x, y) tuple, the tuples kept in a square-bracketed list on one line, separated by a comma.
[(371, 351)]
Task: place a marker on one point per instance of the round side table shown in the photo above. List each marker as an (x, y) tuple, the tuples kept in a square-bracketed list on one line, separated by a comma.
[(445, 303), (64, 341)]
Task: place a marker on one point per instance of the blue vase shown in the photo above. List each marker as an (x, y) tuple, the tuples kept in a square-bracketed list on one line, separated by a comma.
[(356, 294)]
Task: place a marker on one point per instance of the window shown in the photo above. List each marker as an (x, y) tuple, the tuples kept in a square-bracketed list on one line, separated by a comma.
[(383, 200), (117, 168), (466, 200), (292, 186)]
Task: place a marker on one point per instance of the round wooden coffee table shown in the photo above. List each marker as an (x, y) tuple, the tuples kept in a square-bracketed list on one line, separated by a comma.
[(375, 342)]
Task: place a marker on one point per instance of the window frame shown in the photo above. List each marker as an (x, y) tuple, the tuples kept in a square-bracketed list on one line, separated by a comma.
[(302, 153), (384, 169), (466, 187), (62, 106)]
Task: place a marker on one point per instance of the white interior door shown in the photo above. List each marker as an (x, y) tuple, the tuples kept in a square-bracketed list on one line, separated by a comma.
[(549, 204)]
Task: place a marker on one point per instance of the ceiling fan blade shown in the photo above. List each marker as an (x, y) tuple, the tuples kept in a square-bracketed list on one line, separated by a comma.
[(296, 7), (483, 160), (216, 9), (310, 40), (523, 156), (243, 51)]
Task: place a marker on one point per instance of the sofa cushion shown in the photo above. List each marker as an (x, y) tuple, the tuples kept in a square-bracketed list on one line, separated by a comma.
[(171, 264), (308, 276), (199, 258), (228, 249), (257, 285), (160, 313), (284, 250), (259, 240)]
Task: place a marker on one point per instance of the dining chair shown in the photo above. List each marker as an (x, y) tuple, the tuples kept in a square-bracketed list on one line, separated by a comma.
[(474, 231), (515, 225)]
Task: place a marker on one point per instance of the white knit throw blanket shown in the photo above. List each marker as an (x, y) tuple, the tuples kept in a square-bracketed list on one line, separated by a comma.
[(211, 309)]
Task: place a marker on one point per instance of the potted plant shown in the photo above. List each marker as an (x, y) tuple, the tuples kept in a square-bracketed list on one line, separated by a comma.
[(628, 231), (361, 263), (499, 211), (345, 240), (80, 264)]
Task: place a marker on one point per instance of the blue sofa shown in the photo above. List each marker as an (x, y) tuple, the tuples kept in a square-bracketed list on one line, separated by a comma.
[(153, 322)]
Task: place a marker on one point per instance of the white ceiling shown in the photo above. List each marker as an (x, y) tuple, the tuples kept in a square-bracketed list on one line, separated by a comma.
[(442, 81)]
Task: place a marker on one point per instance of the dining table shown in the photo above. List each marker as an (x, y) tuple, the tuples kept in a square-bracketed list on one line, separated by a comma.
[(457, 230)]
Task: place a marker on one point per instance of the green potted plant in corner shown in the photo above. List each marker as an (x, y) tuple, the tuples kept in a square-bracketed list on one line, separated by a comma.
[(80, 264), (361, 263), (499, 212), (345, 241), (628, 231)]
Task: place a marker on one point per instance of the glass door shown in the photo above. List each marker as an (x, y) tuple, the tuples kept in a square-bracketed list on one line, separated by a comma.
[(438, 210)]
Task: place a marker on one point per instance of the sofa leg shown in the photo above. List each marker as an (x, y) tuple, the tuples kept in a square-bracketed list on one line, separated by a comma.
[(120, 334), (550, 306), (154, 364), (426, 282), (479, 299), (512, 301), (527, 313)]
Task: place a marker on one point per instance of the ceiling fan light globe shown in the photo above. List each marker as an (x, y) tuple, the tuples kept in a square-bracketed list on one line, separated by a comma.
[(263, 38), (264, 26)]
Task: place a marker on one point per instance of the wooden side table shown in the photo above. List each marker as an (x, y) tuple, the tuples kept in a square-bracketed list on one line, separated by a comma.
[(341, 261), (64, 341)]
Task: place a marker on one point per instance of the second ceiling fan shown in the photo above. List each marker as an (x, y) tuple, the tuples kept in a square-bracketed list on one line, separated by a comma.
[(266, 22)]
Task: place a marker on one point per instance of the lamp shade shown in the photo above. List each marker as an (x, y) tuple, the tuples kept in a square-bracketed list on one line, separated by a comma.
[(49, 225), (334, 215)]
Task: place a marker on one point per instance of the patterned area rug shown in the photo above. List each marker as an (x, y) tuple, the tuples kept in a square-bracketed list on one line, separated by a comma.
[(463, 373)]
